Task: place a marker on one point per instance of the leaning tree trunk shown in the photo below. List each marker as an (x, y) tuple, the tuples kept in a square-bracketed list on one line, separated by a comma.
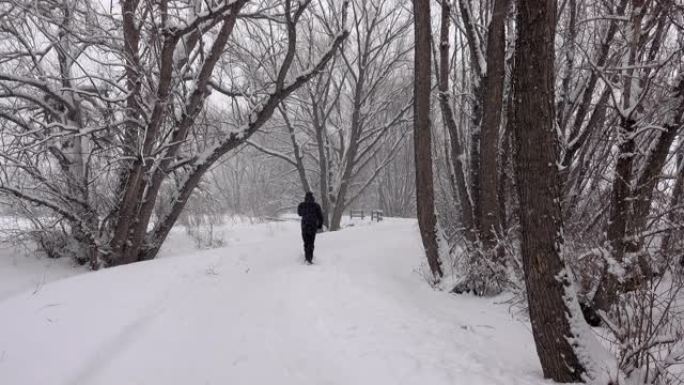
[(425, 200), (538, 191)]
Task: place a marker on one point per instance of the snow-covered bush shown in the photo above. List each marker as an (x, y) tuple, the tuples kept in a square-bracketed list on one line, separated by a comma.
[(57, 244), (36, 232), (646, 331), (487, 273), (203, 220), (205, 231)]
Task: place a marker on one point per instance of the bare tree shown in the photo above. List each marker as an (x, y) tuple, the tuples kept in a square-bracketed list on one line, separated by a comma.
[(633, 185), (396, 187), (378, 102), (478, 194), (71, 127), (356, 111), (488, 64)]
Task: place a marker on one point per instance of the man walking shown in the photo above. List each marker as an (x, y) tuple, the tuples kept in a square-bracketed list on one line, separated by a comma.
[(312, 220)]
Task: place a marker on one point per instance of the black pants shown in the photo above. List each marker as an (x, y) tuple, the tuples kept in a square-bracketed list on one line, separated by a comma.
[(309, 237)]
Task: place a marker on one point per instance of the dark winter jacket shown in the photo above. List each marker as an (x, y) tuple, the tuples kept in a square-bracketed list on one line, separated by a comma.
[(310, 211)]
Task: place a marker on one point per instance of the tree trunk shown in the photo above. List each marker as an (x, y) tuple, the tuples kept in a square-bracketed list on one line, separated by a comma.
[(580, 132), (298, 157), (350, 155), (538, 191), (456, 152), (491, 118), (477, 64), (621, 215), (504, 171), (674, 216), (620, 212), (425, 204), (656, 159), (321, 139)]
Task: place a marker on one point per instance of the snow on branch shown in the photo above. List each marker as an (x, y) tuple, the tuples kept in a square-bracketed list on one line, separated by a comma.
[(262, 111), (63, 211), (210, 16), (37, 84), (271, 152), (474, 41)]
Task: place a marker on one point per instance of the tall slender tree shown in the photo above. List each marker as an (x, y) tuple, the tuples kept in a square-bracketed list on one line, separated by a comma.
[(491, 120), (425, 199), (456, 149)]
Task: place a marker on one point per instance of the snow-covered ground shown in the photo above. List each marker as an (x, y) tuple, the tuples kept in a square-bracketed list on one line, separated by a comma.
[(22, 272), (252, 313)]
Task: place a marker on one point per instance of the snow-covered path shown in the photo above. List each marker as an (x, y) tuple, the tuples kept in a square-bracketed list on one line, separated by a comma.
[(255, 314)]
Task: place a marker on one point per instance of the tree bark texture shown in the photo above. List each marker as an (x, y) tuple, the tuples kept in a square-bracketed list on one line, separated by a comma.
[(538, 190), (491, 120), (425, 205)]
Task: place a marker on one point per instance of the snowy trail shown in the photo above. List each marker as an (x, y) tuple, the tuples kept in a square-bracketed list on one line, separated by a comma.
[(255, 314)]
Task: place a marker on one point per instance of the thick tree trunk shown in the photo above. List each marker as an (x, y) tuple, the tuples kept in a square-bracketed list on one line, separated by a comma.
[(341, 196), (129, 179), (491, 119), (538, 192), (427, 221), (336, 216)]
